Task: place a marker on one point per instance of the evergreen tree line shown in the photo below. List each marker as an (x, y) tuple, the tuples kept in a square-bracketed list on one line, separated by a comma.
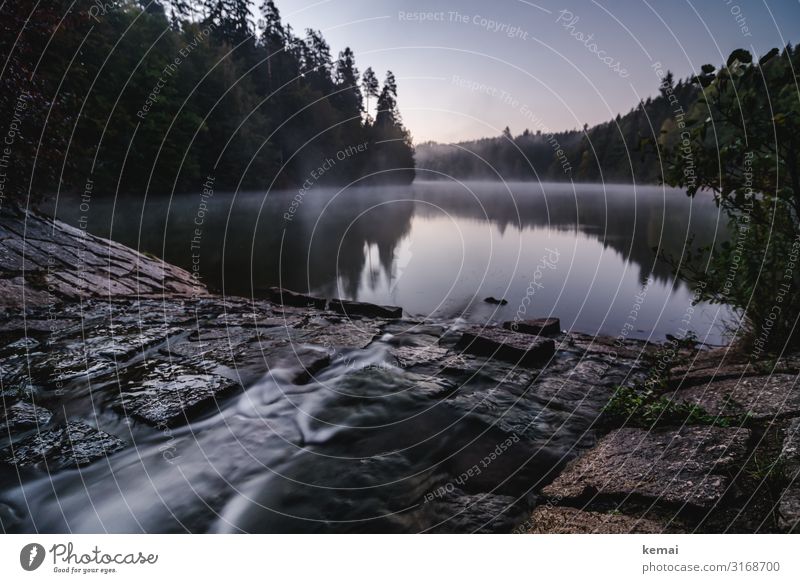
[(157, 96), (620, 150)]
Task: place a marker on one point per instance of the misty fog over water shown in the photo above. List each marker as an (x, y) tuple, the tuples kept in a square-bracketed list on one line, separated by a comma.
[(583, 252)]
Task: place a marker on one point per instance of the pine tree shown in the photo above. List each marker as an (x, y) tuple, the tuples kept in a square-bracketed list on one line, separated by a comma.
[(230, 19), (317, 61), (369, 82), (387, 114), (391, 143), (348, 92), (273, 37), (667, 85)]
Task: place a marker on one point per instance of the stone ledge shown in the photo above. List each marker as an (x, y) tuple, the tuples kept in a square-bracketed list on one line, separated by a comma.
[(760, 397), (672, 466), (565, 520)]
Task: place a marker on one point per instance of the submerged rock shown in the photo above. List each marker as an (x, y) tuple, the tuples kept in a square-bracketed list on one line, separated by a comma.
[(689, 465), (495, 301), (75, 444)]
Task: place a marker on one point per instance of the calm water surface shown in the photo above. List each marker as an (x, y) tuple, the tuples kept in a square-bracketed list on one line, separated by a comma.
[(583, 253)]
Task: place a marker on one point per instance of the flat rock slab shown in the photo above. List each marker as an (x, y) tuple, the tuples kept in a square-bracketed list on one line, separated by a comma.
[(54, 262), (605, 348), (349, 308), (688, 377), (164, 394), (675, 466), (285, 297), (565, 520), (98, 353), (506, 345), (581, 391), (411, 356), (537, 327), (761, 397), (75, 444), (336, 337), (22, 416)]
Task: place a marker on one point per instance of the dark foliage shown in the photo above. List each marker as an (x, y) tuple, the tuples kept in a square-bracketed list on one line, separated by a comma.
[(153, 97), (621, 150)]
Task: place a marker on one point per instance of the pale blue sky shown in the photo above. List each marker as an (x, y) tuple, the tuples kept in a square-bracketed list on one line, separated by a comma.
[(460, 79)]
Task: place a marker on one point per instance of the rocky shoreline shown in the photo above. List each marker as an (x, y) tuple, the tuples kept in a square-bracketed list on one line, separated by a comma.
[(103, 346)]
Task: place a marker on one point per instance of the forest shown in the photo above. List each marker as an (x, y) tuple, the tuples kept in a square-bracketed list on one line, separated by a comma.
[(620, 150), (161, 96)]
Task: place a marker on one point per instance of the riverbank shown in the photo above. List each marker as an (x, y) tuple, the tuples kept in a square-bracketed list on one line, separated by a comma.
[(126, 384)]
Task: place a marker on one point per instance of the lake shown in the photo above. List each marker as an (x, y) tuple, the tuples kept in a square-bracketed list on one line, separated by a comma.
[(583, 252)]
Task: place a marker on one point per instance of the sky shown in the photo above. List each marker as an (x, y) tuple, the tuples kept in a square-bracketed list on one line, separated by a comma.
[(468, 68)]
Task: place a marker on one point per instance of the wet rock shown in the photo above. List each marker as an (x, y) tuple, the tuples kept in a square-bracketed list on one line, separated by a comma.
[(581, 391), (494, 300), (164, 394), (607, 348), (477, 513), (12, 294), (350, 308), (57, 367), (22, 416), (75, 444), (506, 345), (61, 262), (536, 327), (35, 326), (96, 352), (211, 347), (691, 465), (565, 520), (760, 397), (285, 297), (333, 338), (122, 345), (311, 363), (416, 356), (413, 331)]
